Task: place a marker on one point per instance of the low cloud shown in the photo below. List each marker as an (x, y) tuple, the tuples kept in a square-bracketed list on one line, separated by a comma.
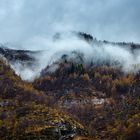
[(30, 24), (96, 52)]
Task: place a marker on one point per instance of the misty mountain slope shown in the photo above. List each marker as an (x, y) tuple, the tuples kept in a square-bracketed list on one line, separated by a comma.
[(69, 70), (20, 60), (95, 94), (14, 55), (77, 47), (100, 96), (104, 99), (92, 82), (24, 113)]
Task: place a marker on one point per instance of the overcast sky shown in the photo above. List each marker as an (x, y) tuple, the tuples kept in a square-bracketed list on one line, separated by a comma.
[(114, 20)]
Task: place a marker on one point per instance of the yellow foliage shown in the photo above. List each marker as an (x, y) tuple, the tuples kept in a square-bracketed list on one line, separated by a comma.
[(86, 77)]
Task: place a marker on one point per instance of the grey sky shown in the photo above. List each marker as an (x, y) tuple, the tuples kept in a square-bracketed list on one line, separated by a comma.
[(114, 20)]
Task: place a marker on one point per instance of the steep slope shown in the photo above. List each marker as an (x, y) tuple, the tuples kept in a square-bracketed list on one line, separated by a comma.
[(104, 99), (25, 115)]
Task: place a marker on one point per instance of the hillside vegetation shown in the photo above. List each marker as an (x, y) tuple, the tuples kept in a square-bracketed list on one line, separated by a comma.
[(24, 113), (71, 99), (104, 99)]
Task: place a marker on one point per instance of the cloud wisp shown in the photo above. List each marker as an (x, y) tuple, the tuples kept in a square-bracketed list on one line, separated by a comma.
[(96, 52)]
